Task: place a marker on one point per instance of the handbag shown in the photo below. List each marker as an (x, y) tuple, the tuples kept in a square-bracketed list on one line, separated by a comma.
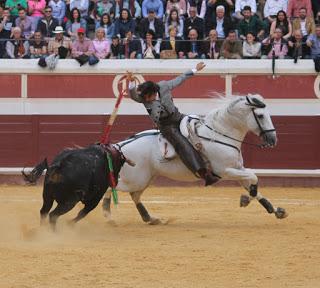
[(168, 54), (93, 60)]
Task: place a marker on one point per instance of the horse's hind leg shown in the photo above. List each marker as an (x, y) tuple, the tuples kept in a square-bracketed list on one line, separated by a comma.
[(48, 199), (62, 208), (106, 205), (136, 197)]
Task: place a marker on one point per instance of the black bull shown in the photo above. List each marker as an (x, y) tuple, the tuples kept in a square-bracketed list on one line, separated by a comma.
[(75, 175)]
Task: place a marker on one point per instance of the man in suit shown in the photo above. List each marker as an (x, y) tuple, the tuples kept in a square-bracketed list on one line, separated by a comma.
[(193, 22), (221, 23), (151, 23), (193, 47), (157, 99), (47, 24)]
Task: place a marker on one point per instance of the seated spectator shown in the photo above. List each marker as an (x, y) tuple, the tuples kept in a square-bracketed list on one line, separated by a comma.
[(154, 5), (104, 7), (151, 23), (297, 47), (250, 48), (231, 47), (117, 49), (58, 10), (17, 47), (47, 24), (59, 44), (172, 43), (38, 47), (212, 46), (193, 22), (35, 10), (316, 10), (313, 42), (82, 47), (275, 46), (107, 25), (124, 24), (295, 5), (179, 5), (101, 45), (282, 23), (25, 23), (7, 22), (82, 6), (174, 20), (150, 47), (132, 5), (132, 47), (271, 9), (250, 24), (200, 5), (304, 23), (193, 47), (240, 6), (213, 4), (15, 5), (219, 22), (74, 23)]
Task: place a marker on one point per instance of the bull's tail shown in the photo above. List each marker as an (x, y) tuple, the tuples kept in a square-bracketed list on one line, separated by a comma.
[(36, 172)]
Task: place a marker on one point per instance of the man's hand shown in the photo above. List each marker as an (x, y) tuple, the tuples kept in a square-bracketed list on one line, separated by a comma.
[(130, 76), (200, 66)]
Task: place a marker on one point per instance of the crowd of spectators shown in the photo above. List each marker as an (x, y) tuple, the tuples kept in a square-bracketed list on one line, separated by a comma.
[(89, 30)]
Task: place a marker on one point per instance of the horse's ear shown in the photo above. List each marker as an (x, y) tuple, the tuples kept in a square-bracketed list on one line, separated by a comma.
[(254, 102)]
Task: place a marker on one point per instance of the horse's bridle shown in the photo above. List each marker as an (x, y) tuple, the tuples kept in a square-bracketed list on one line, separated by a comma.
[(258, 104)]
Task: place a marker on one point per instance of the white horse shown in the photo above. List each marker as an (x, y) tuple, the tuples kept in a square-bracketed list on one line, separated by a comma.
[(221, 133)]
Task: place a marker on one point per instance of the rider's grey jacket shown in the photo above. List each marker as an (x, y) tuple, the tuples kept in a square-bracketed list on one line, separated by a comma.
[(163, 111)]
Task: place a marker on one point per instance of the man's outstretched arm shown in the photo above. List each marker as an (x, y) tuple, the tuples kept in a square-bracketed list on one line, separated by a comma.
[(132, 88), (181, 78)]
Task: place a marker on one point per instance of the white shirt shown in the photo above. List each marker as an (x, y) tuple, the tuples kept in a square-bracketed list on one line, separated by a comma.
[(272, 7), (303, 27), (219, 28), (241, 3)]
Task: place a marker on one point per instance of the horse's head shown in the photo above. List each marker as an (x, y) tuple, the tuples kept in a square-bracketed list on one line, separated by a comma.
[(257, 117)]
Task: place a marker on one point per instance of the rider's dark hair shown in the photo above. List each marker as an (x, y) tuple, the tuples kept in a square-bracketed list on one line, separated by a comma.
[(148, 88)]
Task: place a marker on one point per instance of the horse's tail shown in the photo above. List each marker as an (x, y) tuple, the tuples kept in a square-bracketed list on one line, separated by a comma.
[(36, 172)]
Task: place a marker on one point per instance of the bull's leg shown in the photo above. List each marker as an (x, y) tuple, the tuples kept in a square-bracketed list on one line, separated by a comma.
[(136, 197), (87, 208), (48, 199), (106, 203), (62, 208), (250, 182)]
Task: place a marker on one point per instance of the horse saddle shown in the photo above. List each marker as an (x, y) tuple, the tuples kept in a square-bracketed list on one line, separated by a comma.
[(188, 130)]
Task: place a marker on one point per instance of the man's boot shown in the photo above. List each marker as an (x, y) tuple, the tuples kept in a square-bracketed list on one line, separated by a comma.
[(208, 176)]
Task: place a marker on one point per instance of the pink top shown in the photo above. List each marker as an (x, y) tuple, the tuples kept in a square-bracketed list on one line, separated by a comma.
[(279, 50), (295, 5), (79, 48), (37, 7), (101, 47)]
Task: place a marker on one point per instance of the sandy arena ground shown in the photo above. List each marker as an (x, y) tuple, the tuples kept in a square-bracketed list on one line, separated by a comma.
[(209, 242)]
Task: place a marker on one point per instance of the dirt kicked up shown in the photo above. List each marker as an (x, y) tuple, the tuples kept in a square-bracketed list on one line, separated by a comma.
[(209, 241)]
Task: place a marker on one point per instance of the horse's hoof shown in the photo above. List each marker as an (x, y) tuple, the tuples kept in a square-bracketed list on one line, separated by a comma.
[(281, 213), (244, 200), (154, 221)]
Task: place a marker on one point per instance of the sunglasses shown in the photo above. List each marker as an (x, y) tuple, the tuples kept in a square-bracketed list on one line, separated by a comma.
[(48, 11)]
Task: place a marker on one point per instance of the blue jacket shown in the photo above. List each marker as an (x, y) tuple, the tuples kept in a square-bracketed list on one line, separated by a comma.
[(121, 27)]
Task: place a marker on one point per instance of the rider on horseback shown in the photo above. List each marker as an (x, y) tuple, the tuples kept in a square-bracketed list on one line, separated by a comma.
[(157, 99)]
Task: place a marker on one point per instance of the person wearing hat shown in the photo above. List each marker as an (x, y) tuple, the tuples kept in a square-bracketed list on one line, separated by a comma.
[(152, 5), (59, 44), (151, 22), (157, 99), (82, 48)]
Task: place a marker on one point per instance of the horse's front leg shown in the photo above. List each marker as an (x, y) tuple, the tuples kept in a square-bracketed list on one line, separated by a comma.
[(250, 182)]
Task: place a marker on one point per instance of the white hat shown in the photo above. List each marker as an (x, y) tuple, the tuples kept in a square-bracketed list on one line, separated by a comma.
[(58, 29)]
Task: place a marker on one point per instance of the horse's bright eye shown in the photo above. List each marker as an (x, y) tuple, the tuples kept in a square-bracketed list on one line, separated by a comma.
[(260, 116)]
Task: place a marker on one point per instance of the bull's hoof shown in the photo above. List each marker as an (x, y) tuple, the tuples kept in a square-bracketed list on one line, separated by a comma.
[(244, 200), (281, 213), (154, 221)]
